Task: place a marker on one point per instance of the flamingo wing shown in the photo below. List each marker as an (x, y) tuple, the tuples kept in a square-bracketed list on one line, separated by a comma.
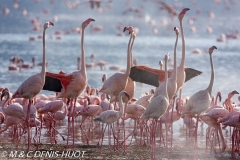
[(147, 75), (152, 76), (190, 73), (55, 82)]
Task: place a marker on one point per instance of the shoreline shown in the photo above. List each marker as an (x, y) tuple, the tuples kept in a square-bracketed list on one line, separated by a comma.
[(91, 152)]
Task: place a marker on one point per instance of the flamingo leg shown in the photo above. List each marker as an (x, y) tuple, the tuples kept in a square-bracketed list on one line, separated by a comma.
[(27, 122)]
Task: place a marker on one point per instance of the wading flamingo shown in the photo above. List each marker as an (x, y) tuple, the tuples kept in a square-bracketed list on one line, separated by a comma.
[(200, 101), (172, 81), (157, 108), (118, 81), (34, 84), (111, 116), (73, 84)]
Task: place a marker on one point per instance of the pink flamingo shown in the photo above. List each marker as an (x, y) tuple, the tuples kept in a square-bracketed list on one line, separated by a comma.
[(201, 100), (157, 108), (52, 106), (130, 87), (234, 122), (228, 103), (74, 83), (181, 75), (34, 84), (110, 116), (15, 109), (211, 122), (118, 81)]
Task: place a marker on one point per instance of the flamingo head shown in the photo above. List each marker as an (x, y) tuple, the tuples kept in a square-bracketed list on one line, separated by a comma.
[(85, 23), (4, 92), (220, 96), (47, 24), (182, 13), (160, 63), (211, 49), (176, 30), (129, 28), (234, 92), (167, 56)]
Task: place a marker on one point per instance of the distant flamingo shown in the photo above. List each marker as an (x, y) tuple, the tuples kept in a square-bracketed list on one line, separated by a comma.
[(157, 108), (111, 116), (15, 109), (34, 84), (201, 100), (118, 81)]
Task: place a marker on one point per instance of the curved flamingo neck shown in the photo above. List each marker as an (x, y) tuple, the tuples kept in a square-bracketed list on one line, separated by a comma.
[(44, 54), (183, 45), (4, 103), (83, 66), (129, 57), (166, 79), (209, 88)]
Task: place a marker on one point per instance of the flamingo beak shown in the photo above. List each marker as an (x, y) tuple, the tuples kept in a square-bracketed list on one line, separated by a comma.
[(235, 92), (187, 9), (125, 28), (93, 20), (215, 47), (51, 23), (220, 98)]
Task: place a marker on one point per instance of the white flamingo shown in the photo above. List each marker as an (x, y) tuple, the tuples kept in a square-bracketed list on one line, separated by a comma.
[(201, 100), (34, 84)]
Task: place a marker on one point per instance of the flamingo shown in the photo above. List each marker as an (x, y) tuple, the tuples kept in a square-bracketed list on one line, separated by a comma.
[(73, 84), (181, 75), (201, 100), (157, 107), (228, 103), (130, 87), (118, 81), (172, 81), (15, 109), (111, 116), (34, 84)]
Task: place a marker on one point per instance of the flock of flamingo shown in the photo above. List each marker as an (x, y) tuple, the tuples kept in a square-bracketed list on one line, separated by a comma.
[(26, 108)]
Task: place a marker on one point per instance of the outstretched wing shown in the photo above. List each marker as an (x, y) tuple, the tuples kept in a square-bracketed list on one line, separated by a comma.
[(152, 76), (190, 73), (55, 82), (140, 75)]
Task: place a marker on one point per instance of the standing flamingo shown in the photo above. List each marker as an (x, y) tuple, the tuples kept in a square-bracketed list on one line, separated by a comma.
[(34, 84), (118, 81), (111, 116), (157, 108), (181, 75), (201, 100), (130, 87), (73, 84), (172, 81)]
